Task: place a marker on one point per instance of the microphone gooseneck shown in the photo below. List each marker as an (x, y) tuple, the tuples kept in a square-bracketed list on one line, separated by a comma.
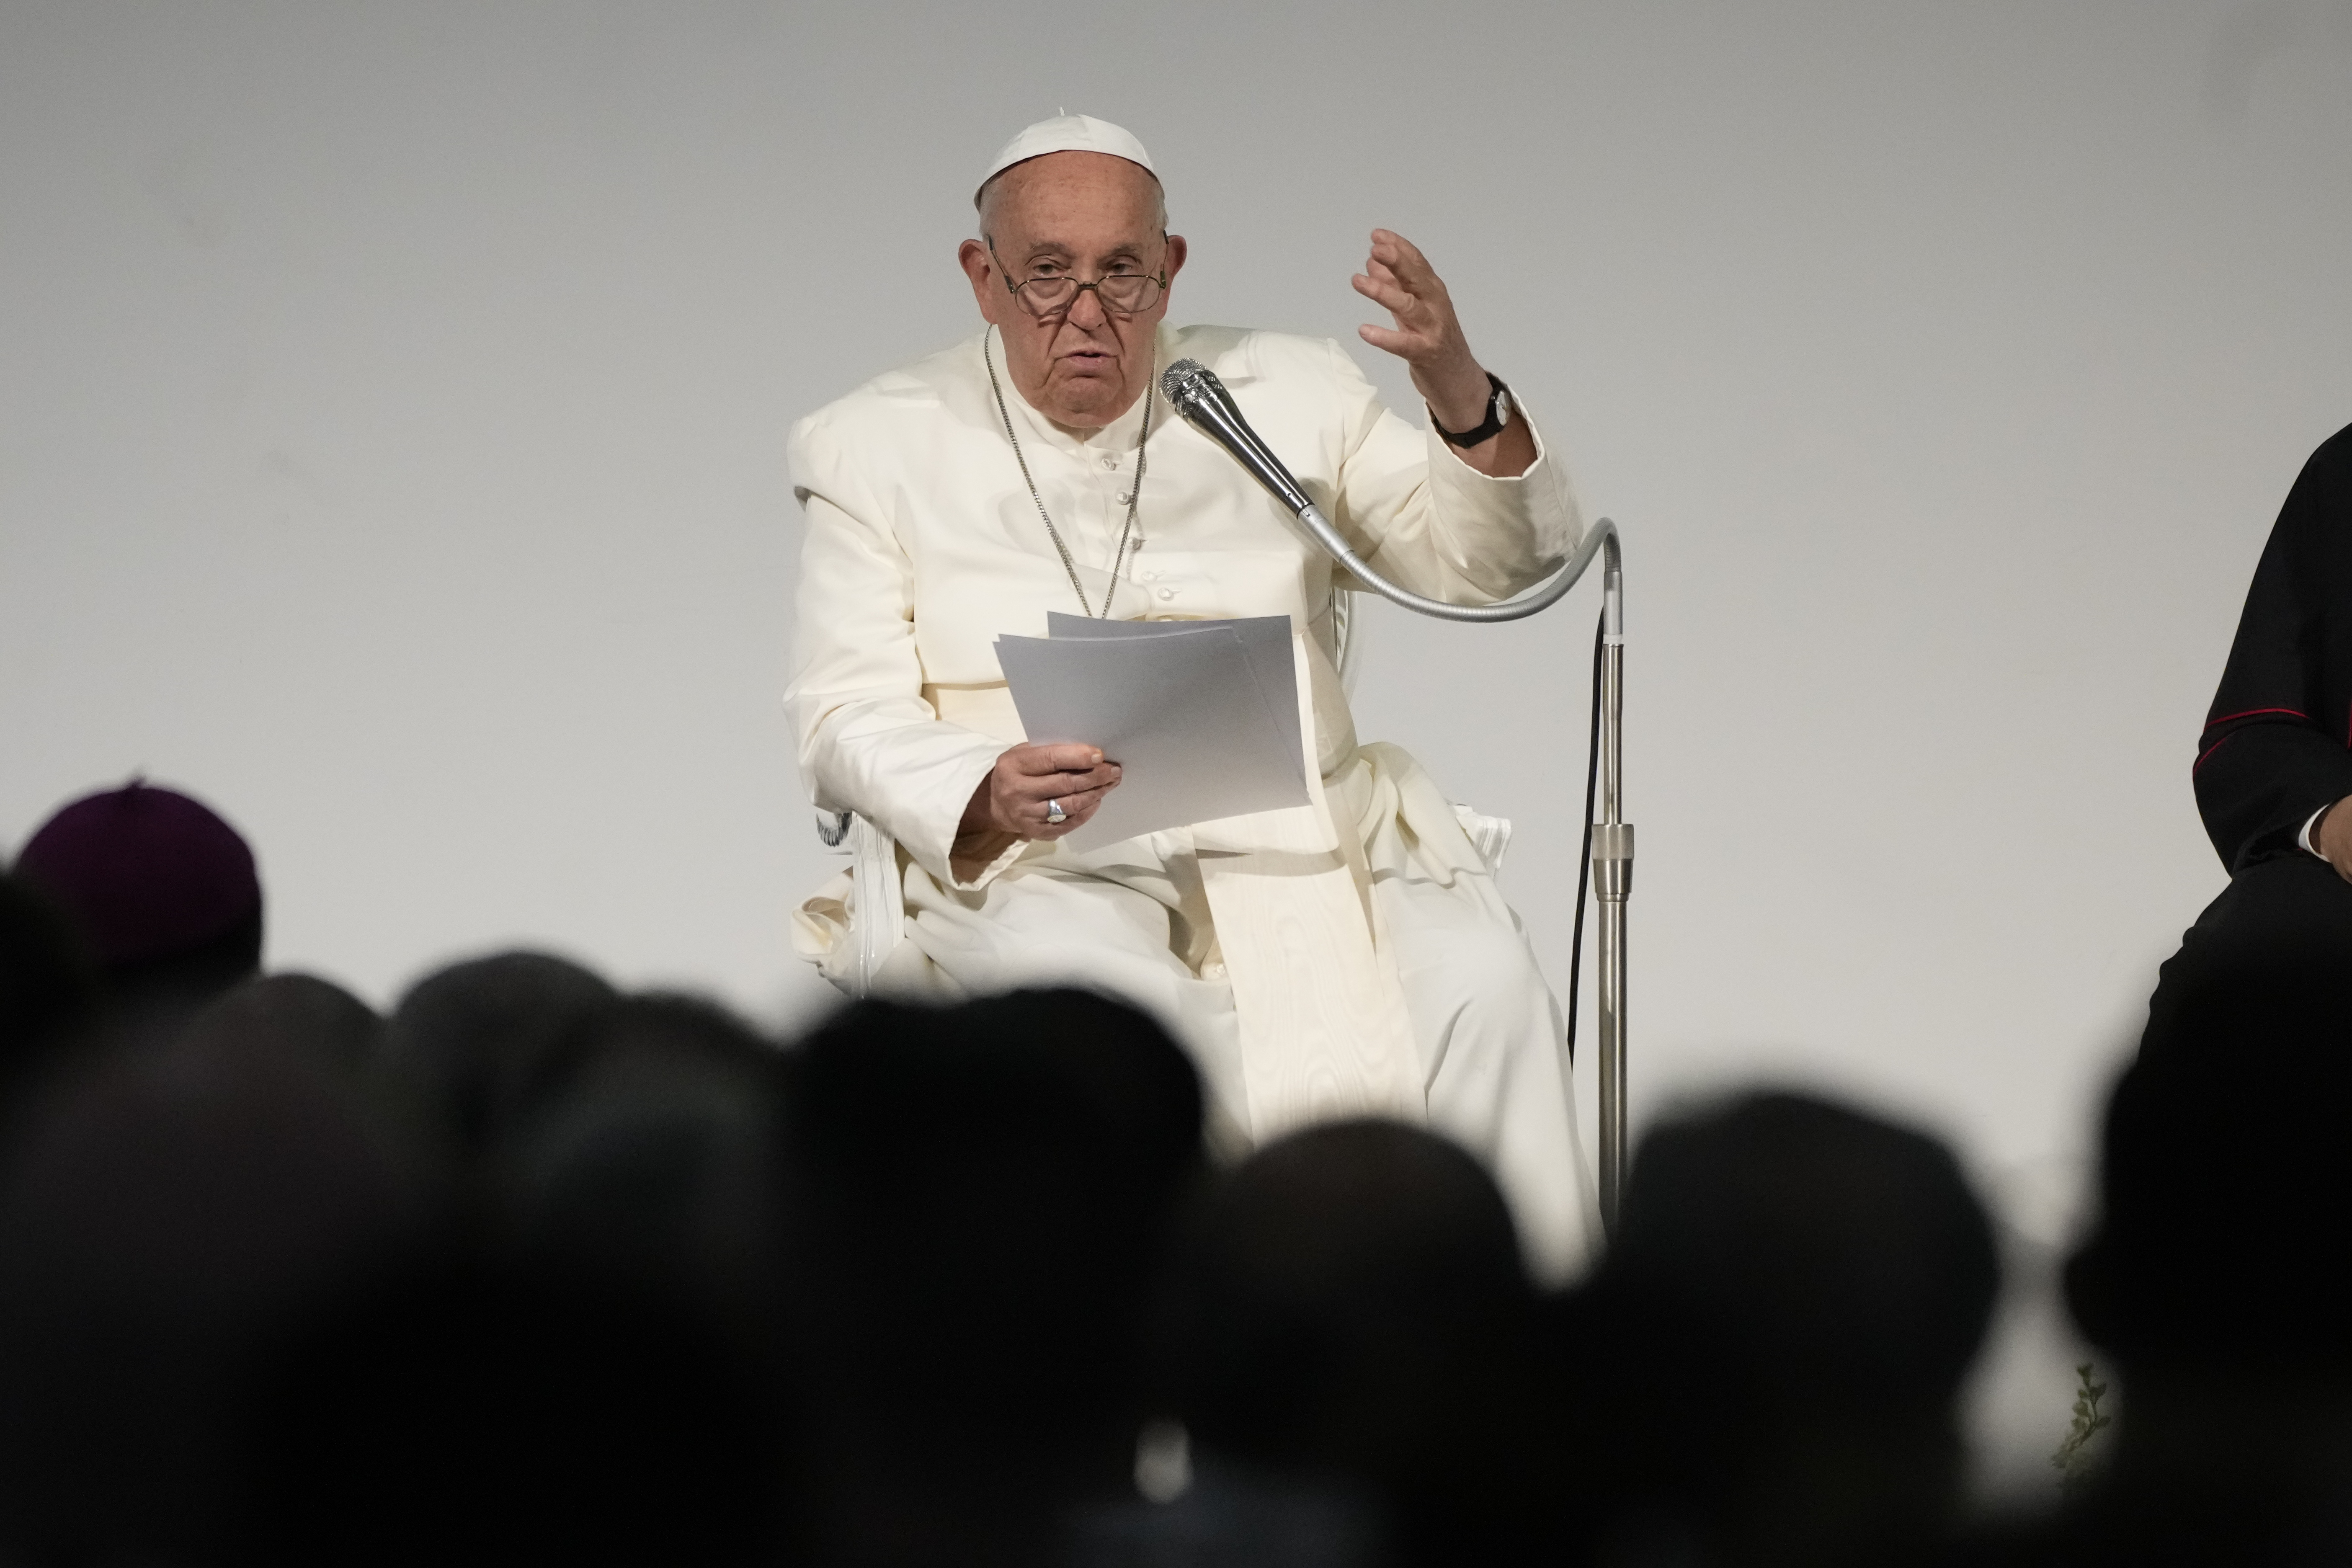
[(1196, 394), (1193, 390)]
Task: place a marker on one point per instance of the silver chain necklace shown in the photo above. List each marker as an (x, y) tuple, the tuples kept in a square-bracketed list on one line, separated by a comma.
[(1134, 493)]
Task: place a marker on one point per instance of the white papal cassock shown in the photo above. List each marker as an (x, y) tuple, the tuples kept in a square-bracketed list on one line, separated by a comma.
[(1351, 955)]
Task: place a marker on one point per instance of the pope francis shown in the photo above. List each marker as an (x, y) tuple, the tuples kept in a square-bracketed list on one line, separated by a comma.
[(1348, 956)]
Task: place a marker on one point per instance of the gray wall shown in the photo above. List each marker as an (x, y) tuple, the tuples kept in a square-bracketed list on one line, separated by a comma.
[(392, 406)]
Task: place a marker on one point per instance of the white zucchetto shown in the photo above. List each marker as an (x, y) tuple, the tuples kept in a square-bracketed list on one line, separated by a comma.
[(1068, 134)]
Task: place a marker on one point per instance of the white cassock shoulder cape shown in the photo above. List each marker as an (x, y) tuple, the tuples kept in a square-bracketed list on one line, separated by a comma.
[(924, 545)]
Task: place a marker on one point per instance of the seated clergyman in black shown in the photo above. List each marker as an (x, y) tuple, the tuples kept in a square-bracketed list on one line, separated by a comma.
[(2275, 764)]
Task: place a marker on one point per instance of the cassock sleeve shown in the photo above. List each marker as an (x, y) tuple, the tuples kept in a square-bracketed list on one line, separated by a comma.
[(2273, 749), (868, 741), (1431, 522)]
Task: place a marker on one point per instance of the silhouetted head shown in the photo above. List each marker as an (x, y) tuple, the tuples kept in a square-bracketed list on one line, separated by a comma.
[(1843, 1257), (2225, 1232), (1770, 1353), (1348, 1308), (982, 1193), (49, 987), (2213, 1280), (167, 1215), (650, 1163), (1331, 1291), (474, 1043), (162, 891), (300, 1015)]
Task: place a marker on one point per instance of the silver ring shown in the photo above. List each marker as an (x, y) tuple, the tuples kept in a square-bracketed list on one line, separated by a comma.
[(1054, 813)]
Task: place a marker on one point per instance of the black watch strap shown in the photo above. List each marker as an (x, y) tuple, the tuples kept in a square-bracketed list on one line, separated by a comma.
[(1485, 430)]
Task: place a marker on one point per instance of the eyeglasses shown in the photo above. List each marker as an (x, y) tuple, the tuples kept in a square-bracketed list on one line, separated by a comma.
[(1050, 294)]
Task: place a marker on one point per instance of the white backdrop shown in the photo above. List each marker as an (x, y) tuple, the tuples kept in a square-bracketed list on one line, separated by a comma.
[(392, 406)]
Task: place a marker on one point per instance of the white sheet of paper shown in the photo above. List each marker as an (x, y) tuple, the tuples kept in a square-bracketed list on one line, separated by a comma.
[(1266, 638), (1181, 709)]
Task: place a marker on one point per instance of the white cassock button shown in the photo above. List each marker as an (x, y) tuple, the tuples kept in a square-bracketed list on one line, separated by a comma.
[(1151, 574), (1110, 461), (1167, 593), (1212, 971)]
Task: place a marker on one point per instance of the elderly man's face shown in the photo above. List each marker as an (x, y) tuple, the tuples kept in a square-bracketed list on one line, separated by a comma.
[(1086, 215)]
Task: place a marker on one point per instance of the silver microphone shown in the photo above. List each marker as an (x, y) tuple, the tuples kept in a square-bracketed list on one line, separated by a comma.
[(1193, 390)]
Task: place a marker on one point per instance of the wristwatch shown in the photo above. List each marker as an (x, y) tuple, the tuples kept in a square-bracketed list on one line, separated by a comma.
[(1498, 414)]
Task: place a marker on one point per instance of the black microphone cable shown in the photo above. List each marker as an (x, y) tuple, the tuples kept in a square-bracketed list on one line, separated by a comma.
[(1584, 858)]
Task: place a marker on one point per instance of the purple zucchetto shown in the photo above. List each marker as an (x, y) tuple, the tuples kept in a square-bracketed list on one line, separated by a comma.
[(144, 873)]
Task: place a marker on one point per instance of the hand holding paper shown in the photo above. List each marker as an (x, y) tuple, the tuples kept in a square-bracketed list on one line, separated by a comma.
[(1202, 716), (1029, 784)]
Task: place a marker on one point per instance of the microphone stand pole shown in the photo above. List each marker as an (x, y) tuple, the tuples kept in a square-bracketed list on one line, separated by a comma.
[(1613, 883), (1613, 836)]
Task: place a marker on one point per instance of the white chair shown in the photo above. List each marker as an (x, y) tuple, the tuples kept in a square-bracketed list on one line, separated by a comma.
[(875, 908)]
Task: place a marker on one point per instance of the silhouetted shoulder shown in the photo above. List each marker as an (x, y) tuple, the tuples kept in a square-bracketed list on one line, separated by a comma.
[(2320, 502), (2333, 458)]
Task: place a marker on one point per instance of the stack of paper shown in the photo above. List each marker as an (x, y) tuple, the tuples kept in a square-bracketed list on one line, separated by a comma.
[(1202, 715)]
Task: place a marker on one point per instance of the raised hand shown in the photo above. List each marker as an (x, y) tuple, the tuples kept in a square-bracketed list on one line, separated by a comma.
[(1428, 337)]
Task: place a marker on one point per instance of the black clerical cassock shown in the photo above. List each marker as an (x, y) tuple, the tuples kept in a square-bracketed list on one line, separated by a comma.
[(2277, 748), (2277, 744)]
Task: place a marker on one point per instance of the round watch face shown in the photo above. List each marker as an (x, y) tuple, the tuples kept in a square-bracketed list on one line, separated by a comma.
[(1502, 409)]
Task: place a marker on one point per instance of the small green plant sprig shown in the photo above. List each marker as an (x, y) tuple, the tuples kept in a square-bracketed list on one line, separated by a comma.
[(2076, 1458)]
